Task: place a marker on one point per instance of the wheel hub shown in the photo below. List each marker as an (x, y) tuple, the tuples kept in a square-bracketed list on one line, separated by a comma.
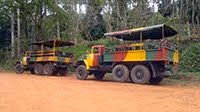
[(19, 68), (119, 73), (139, 75), (80, 72)]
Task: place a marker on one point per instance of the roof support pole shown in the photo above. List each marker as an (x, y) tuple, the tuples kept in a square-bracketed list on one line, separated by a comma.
[(54, 47), (42, 49), (163, 33), (140, 36), (163, 36)]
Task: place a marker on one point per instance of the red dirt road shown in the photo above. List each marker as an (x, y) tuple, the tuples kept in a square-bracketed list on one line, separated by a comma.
[(31, 93)]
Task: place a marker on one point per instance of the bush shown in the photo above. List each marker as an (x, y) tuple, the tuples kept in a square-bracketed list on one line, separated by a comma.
[(9, 64), (78, 50), (190, 58)]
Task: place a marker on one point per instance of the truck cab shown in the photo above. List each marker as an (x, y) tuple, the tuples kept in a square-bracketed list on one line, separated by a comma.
[(95, 58)]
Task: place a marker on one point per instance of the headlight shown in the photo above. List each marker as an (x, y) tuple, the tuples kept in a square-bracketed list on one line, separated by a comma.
[(24, 59)]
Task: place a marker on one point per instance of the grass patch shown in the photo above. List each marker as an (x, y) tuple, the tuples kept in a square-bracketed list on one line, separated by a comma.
[(184, 79), (187, 76)]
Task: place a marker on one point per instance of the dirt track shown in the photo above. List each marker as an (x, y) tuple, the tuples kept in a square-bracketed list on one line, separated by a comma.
[(30, 93)]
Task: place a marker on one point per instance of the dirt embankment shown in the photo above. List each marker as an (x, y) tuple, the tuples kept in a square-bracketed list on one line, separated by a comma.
[(31, 93)]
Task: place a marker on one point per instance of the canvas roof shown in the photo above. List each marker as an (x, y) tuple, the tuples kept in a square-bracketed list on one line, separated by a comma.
[(150, 32)]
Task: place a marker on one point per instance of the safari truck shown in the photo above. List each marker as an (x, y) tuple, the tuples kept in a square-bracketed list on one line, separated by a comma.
[(147, 57), (46, 58)]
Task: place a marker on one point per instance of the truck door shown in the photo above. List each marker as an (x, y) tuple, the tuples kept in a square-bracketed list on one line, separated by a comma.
[(96, 52), (95, 58)]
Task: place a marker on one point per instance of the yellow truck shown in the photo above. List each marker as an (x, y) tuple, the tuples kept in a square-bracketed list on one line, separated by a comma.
[(47, 59)]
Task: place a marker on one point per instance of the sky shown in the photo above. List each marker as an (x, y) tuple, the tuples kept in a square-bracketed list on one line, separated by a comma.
[(82, 8)]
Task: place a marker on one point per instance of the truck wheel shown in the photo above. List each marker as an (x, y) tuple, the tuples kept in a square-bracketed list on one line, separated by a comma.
[(19, 68), (120, 73), (62, 71), (48, 69), (38, 69), (99, 75), (156, 80), (81, 72), (140, 74)]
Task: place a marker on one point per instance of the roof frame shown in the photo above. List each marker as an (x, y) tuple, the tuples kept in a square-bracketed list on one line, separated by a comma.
[(52, 43), (155, 32)]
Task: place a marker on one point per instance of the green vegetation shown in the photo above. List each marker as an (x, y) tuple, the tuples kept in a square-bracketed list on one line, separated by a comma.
[(184, 79), (190, 58), (8, 65), (78, 50), (185, 76)]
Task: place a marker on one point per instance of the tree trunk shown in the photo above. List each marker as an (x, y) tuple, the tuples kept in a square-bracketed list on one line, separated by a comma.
[(58, 24), (18, 32), (58, 30), (121, 12), (109, 18), (77, 23), (198, 25), (173, 9), (193, 18), (33, 31), (181, 10), (12, 36), (187, 7), (188, 29)]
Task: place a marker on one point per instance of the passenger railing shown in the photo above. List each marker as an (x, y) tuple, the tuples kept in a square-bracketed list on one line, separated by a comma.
[(48, 53)]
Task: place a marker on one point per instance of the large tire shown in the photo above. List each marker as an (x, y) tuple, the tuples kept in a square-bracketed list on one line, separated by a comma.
[(140, 74), (62, 71), (155, 80), (48, 69), (81, 72), (19, 68), (120, 73), (98, 75), (38, 69)]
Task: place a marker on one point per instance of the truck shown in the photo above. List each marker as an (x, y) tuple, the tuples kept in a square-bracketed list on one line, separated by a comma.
[(145, 56), (46, 58)]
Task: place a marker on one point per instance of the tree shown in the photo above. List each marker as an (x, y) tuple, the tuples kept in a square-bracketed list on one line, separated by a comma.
[(94, 23), (165, 7)]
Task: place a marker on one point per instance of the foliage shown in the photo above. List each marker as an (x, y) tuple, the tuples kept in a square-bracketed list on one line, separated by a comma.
[(185, 76), (4, 31), (190, 58), (9, 64), (78, 50), (93, 21), (189, 6)]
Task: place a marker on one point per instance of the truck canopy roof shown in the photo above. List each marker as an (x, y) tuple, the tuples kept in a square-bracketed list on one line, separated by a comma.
[(50, 43), (150, 32)]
